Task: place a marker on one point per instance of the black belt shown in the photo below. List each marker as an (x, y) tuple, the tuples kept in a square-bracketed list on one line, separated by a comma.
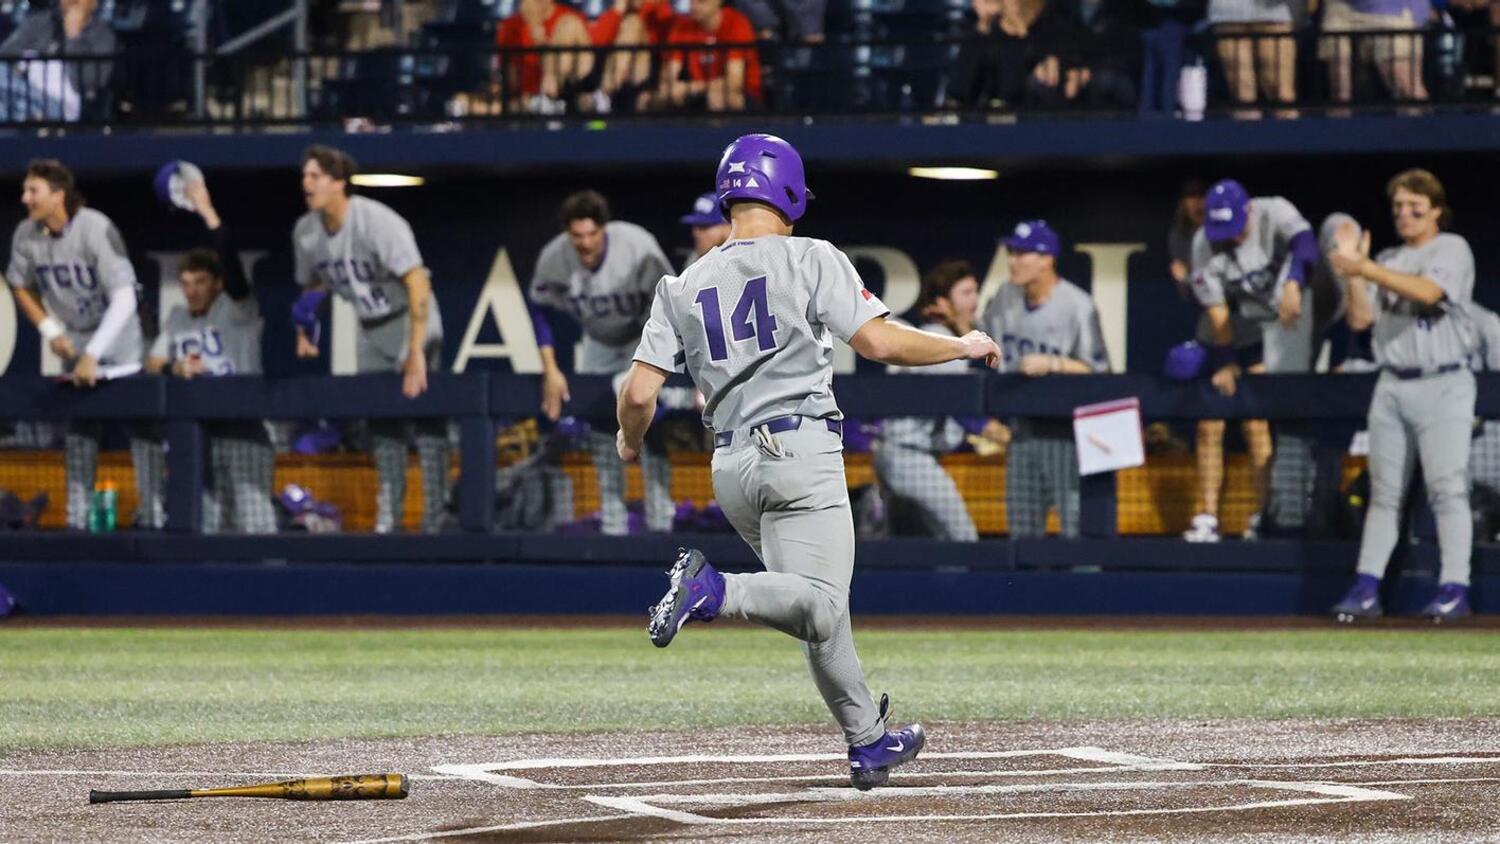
[(778, 425), (1407, 373)]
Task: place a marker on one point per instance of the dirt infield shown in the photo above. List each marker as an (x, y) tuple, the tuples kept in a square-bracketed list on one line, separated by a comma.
[(1385, 781)]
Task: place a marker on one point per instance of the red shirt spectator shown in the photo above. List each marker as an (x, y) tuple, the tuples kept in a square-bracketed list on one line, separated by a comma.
[(732, 28), (657, 15), (524, 76)]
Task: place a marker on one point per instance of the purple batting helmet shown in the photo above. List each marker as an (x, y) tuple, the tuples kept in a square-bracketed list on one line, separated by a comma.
[(171, 183), (766, 169), (1185, 361)]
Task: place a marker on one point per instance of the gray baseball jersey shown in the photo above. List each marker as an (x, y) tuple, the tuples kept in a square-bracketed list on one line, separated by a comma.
[(612, 301), (1249, 277), (75, 271), (754, 320), (940, 434), (363, 262), (1067, 324), (1408, 335), (226, 336), (1486, 354)]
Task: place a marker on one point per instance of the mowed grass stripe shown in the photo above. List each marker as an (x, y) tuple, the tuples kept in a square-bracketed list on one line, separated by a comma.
[(127, 687)]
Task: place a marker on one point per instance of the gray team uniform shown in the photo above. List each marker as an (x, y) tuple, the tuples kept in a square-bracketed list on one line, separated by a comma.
[(241, 461), (1484, 454), (1250, 278), (74, 274), (1423, 404), (1041, 465), (754, 322), (906, 460), (363, 263), (611, 303)]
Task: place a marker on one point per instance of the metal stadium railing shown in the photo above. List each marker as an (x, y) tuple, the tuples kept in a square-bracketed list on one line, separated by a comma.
[(931, 79)]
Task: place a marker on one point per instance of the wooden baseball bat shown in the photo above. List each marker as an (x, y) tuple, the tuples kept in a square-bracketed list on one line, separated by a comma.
[(354, 787)]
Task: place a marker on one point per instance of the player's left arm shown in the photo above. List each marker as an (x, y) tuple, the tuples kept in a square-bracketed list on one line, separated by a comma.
[(419, 301), (118, 277)]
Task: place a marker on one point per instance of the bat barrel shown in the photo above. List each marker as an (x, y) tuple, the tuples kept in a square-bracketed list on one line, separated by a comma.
[(96, 796)]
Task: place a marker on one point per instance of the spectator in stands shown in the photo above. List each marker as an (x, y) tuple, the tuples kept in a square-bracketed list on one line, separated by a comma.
[(794, 21), (1109, 58), (1020, 52), (1046, 326), (1350, 33), (906, 458), (1258, 66), (1164, 34), (708, 225), (627, 80), (552, 82), (602, 273), (217, 332), (63, 73), (714, 77)]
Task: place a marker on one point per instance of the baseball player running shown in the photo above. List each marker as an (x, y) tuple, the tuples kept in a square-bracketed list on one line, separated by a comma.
[(754, 322), (367, 255), (1253, 261), (1423, 406), (218, 333), (603, 273), (906, 459), (71, 277), (1046, 325)]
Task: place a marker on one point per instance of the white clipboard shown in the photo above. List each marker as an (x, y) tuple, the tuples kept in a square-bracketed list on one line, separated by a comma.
[(1108, 436)]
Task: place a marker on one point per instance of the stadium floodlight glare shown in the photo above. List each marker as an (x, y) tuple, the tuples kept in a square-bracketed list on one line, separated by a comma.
[(387, 180), (965, 174)]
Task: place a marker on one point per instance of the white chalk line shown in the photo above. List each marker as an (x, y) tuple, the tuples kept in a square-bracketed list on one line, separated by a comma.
[(1326, 793), (475, 830), (1363, 763)]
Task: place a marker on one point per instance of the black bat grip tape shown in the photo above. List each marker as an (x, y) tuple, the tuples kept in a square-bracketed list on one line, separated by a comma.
[(112, 796)]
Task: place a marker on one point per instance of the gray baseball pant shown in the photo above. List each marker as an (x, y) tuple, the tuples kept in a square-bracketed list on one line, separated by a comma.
[(1431, 418), (787, 497), (918, 477)]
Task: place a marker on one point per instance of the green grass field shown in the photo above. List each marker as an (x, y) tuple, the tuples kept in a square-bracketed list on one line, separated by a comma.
[(122, 687)]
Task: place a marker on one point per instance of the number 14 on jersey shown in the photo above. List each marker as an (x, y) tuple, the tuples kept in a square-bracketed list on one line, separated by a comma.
[(752, 318)]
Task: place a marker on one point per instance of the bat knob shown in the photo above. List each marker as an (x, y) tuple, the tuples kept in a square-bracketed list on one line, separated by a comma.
[(95, 796)]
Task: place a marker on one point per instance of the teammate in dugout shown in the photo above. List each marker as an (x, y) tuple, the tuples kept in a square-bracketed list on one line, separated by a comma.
[(708, 226), (1047, 326), (906, 458), (73, 280), (602, 273), (1253, 264), (366, 254), (1423, 406), (218, 333), (753, 322)]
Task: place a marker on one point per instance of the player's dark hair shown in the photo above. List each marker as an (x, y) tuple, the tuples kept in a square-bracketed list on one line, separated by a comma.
[(584, 205), (1191, 189), (201, 261), (58, 177), (940, 280), (1423, 183), (335, 162)]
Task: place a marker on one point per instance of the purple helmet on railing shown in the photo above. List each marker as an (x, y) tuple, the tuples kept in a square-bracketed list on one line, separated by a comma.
[(766, 169)]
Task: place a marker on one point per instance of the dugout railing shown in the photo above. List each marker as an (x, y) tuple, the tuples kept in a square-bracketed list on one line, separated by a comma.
[(929, 77)]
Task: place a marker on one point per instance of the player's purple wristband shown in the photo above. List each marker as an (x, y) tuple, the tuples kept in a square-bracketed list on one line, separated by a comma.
[(305, 312)]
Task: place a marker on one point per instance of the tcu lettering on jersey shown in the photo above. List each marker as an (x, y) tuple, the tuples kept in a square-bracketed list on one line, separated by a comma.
[(208, 345)]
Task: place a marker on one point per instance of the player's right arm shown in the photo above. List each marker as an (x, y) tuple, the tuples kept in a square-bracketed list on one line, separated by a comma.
[(305, 311), (549, 290), (19, 274)]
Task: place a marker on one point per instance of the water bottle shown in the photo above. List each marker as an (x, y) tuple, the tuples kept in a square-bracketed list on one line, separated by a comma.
[(102, 513), (1192, 90)]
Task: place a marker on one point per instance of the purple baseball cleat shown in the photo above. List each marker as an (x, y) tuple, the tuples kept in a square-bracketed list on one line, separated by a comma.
[(1361, 602), (695, 594), (1451, 603), (870, 764)]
